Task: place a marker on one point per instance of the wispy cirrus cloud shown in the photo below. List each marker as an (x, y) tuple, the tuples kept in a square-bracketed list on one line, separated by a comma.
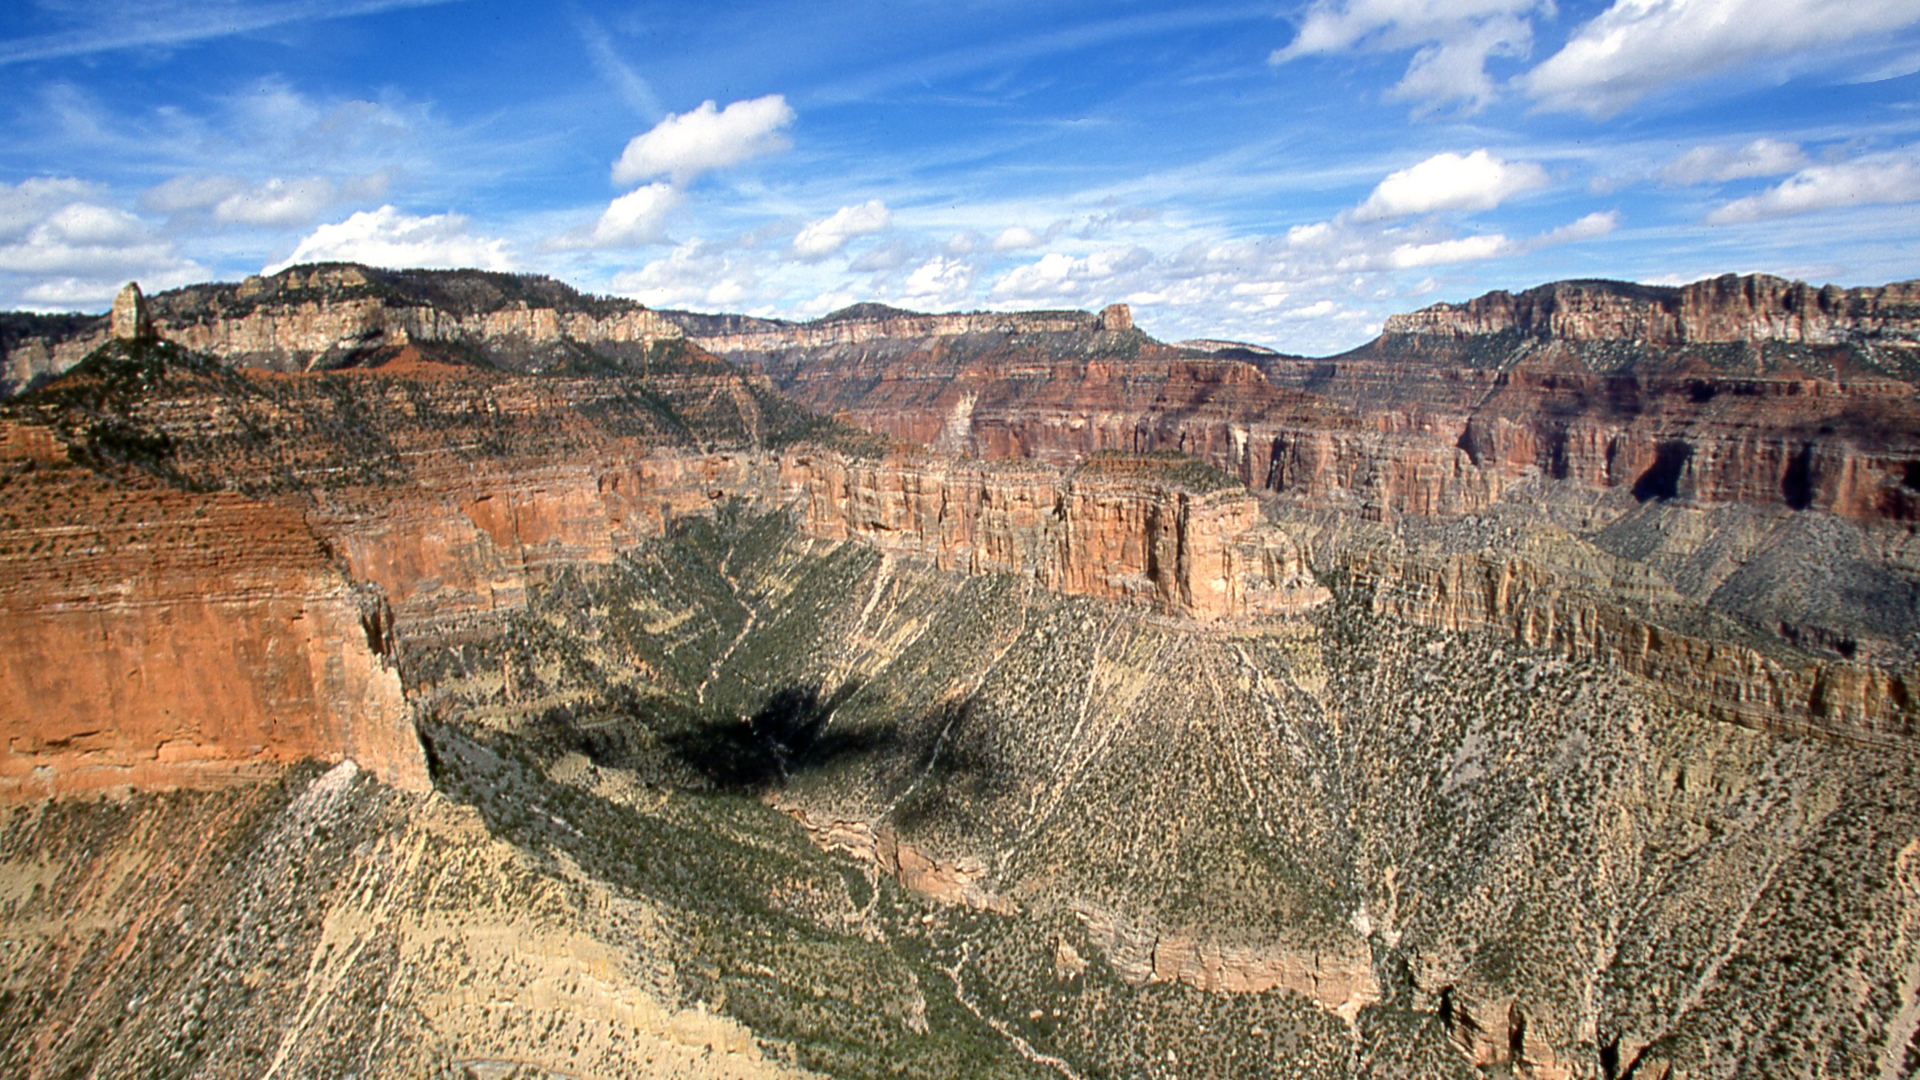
[(1890, 178), (1451, 41), (1639, 47), (116, 24), (1718, 164)]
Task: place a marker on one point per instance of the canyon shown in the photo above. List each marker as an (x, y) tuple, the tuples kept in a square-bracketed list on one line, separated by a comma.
[(560, 685)]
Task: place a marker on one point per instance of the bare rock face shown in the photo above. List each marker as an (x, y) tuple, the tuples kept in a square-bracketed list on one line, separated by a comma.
[(335, 315), (1733, 308), (155, 639), (1116, 531), (129, 320)]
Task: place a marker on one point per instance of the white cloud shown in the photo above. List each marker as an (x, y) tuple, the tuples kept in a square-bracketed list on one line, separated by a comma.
[(1464, 249), (939, 282), (684, 145), (1827, 187), (1478, 181), (26, 204), (1596, 224), (387, 237), (1059, 277), (277, 202), (824, 237), (1638, 47), (230, 200), (636, 218), (62, 244), (891, 255), (1453, 39), (1715, 164), (1015, 237), (695, 274)]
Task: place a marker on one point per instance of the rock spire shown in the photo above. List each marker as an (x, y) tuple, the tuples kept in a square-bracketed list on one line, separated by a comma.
[(130, 321)]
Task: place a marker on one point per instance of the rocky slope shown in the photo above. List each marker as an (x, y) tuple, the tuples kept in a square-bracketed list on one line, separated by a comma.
[(334, 315), (1785, 417), (760, 746)]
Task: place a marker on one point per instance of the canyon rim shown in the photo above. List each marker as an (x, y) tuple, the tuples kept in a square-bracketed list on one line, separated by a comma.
[(451, 673)]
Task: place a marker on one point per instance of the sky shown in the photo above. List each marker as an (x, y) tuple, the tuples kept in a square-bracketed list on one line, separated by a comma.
[(1284, 173)]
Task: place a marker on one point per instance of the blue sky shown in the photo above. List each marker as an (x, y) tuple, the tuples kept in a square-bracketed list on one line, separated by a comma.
[(1285, 173)]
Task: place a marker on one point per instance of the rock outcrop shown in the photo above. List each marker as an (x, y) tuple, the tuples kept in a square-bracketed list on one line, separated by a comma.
[(1117, 530), (340, 315), (154, 638), (1748, 309), (129, 319)]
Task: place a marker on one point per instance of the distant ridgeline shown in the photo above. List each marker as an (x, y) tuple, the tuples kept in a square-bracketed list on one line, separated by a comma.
[(593, 690)]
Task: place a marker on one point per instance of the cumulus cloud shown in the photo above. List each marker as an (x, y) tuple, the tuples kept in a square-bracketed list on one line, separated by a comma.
[(939, 282), (63, 244), (1716, 164), (1059, 277), (824, 237), (1015, 237), (634, 219), (684, 145), (1593, 225), (695, 274), (1638, 47), (1452, 39), (387, 237), (1478, 181), (1828, 187)]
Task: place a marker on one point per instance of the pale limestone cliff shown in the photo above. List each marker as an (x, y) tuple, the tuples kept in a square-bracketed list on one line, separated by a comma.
[(902, 326), (1731, 308)]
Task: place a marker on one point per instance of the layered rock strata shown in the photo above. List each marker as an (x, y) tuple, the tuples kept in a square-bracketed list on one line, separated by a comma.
[(248, 631), (1748, 308), (154, 638), (334, 315)]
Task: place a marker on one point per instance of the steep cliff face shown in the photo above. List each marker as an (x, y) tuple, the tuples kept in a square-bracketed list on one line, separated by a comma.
[(1128, 788), (1119, 530), (154, 638), (335, 315), (1337, 829), (1748, 309), (232, 570), (1732, 390)]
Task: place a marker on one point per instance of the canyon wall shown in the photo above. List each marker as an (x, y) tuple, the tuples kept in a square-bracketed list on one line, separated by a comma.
[(1103, 533), (158, 638), (473, 541), (1748, 389), (1747, 308), (325, 316)]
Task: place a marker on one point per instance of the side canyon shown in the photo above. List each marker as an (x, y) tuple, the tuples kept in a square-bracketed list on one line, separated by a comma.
[(449, 673)]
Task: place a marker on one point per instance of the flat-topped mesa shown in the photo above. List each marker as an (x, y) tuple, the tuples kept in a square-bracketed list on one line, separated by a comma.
[(870, 322), (327, 315), (1730, 308)]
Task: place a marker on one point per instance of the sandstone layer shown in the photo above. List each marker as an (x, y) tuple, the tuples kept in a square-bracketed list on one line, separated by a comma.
[(154, 638), (335, 315), (1142, 773)]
